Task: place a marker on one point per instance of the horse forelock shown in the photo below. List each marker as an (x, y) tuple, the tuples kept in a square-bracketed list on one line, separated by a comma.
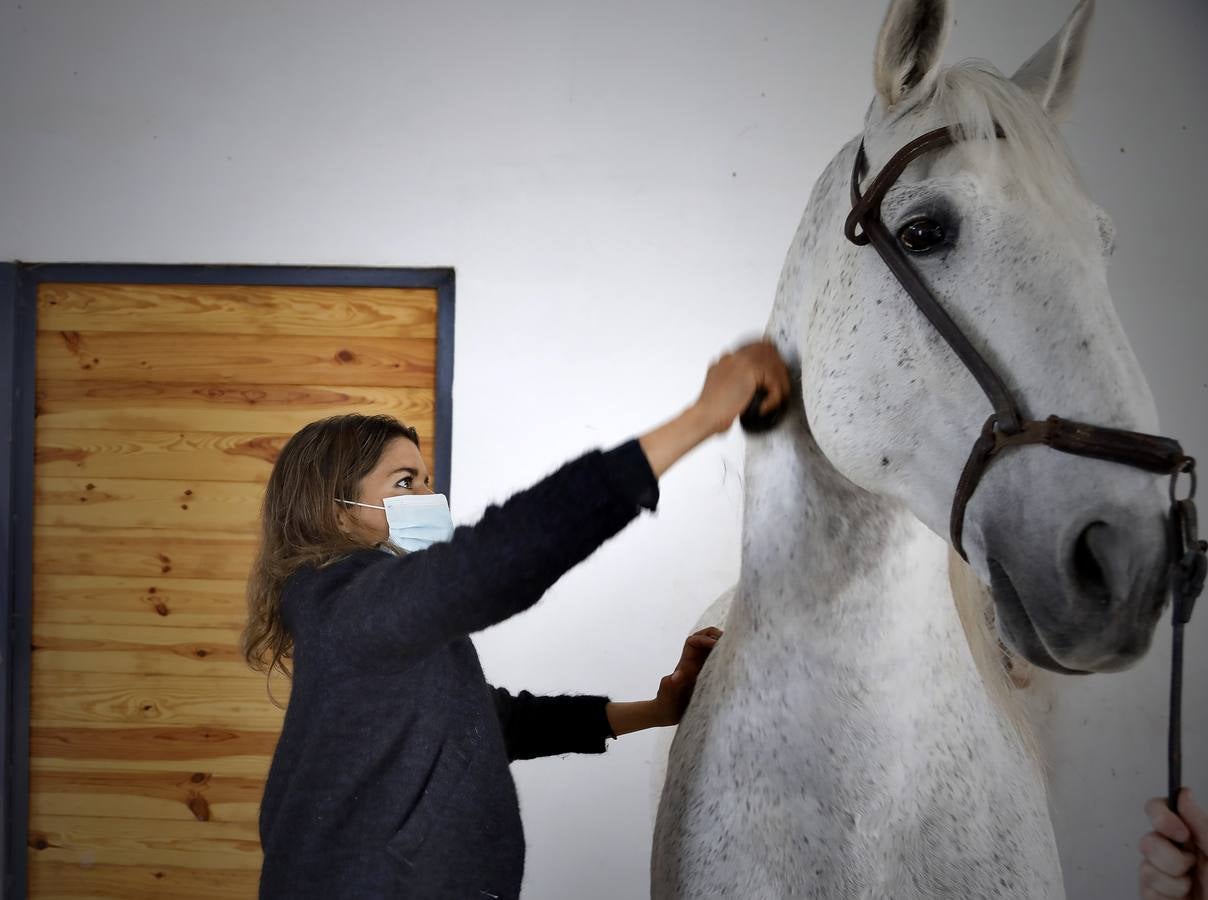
[(976, 98)]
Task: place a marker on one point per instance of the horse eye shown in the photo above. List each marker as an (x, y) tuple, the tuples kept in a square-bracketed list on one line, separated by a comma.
[(921, 235)]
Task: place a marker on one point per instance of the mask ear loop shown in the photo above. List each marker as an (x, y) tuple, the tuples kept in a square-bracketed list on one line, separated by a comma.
[(366, 505)]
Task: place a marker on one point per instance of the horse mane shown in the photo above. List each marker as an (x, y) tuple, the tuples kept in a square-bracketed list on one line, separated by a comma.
[(975, 96), (1004, 674)]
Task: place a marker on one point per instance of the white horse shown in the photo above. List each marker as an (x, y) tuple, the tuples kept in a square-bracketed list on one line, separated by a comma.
[(842, 741)]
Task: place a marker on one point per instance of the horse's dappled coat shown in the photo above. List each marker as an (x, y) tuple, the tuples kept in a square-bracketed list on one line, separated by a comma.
[(841, 741)]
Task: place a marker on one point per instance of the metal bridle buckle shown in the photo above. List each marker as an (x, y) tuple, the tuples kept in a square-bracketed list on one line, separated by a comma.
[(1186, 468)]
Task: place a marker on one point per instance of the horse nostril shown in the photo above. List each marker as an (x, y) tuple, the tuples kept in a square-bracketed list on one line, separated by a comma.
[(1089, 568)]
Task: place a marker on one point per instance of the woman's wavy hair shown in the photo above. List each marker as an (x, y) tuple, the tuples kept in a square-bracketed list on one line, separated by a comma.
[(299, 527)]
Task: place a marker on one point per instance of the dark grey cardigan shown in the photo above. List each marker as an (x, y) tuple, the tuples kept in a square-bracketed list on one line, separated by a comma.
[(391, 777)]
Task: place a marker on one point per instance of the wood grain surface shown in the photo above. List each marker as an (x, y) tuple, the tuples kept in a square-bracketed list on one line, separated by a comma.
[(239, 309), (160, 410)]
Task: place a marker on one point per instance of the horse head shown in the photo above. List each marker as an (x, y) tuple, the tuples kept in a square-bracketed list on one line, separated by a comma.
[(1003, 234)]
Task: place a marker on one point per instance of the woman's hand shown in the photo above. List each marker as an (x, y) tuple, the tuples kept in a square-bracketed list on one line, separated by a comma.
[(732, 381), (675, 690), (1166, 871), (730, 384)]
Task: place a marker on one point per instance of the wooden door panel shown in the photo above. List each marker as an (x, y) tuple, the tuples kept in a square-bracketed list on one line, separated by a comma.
[(102, 356), (116, 840), (160, 409), (180, 795), (202, 749), (145, 649), (155, 554), (226, 507), (71, 881), (107, 601), (239, 309), (208, 456), (221, 408)]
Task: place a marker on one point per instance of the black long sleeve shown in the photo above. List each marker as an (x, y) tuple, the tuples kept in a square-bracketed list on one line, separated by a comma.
[(401, 606), (550, 726)]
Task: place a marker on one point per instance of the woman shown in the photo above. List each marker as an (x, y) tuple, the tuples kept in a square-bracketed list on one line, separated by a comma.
[(390, 778)]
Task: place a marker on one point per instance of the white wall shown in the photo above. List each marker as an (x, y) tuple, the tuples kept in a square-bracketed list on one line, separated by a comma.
[(615, 184)]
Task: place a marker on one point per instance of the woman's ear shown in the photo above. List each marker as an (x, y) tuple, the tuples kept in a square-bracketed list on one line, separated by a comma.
[(342, 521), (909, 47)]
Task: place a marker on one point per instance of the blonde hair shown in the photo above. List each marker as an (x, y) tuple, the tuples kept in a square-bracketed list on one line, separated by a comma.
[(1004, 674)]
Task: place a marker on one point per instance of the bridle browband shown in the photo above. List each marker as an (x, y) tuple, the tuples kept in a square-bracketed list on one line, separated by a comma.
[(1008, 428)]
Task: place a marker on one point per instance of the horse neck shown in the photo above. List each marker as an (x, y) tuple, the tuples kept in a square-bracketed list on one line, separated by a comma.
[(816, 547)]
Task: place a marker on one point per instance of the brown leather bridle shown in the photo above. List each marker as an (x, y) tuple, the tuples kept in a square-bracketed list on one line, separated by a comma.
[(1008, 428)]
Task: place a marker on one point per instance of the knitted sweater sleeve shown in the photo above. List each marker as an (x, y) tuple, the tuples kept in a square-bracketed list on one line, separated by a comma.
[(536, 726), (397, 606)]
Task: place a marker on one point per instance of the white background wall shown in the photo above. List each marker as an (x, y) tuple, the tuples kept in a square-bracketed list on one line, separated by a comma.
[(616, 184)]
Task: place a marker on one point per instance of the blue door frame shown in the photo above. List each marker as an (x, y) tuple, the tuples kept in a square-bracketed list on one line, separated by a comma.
[(18, 324)]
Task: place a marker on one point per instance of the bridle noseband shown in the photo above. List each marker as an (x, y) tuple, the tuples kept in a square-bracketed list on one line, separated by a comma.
[(1008, 428)]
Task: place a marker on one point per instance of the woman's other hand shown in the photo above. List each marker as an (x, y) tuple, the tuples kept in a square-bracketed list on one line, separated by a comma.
[(675, 690), (1166, 871)]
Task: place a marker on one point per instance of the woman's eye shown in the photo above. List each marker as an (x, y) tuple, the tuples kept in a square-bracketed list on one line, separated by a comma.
[(922, 235), (404, 483)]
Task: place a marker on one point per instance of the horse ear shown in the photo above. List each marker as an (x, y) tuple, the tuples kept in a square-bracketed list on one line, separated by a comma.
[(1050, 75), (909, 46)]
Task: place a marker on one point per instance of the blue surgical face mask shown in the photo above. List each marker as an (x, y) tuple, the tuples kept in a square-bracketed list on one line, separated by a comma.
[(416, 520)]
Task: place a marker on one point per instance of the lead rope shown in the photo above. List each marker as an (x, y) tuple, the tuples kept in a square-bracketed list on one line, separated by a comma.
[(1186, 582)]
